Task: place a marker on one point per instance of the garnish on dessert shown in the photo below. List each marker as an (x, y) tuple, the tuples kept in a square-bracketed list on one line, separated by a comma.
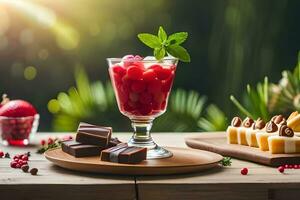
[(162, 44)]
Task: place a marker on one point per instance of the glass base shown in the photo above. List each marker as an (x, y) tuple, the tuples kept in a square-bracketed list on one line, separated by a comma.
[(154, 151), (23, 142)]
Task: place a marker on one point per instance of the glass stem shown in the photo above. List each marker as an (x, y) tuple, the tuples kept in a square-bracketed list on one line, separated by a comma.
[(142, 136)]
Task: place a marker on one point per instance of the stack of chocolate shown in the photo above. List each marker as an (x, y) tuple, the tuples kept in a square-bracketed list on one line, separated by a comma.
[(92, 140)]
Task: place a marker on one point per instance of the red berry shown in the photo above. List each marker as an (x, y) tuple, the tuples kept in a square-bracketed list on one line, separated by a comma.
[(43, 142), (291, 166), (295, 166), (17, 108), (138, 86), (135, 73), (13, 164), (154, 86), (286, 166), (50, 141), (149, 75), (163, 73), (281, 169), (244, 171), (1, 154), (119, 70), (23, 163), (18, 165), (24, 157)]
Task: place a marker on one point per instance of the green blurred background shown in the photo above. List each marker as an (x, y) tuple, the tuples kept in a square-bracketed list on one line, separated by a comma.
[(231, 43)]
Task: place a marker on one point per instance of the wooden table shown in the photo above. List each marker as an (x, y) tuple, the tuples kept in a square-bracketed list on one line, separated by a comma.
[(53, 182)]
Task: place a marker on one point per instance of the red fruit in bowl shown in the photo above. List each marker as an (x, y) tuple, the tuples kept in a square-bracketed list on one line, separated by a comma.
[(17, 108), (135, 73)]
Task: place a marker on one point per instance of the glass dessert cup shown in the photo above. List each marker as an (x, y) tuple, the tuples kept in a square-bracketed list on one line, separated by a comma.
[(142, 89), (16, 131)]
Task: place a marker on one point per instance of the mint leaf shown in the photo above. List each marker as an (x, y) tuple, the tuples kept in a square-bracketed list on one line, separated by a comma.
[(162, 44), (179, 52), (177, 38), (162, 35), (150, 40), (159, 53)]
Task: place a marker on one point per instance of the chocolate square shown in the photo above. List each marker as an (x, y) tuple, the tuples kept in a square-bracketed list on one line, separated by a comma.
[(78, 149), (92, 134), (122, 153)]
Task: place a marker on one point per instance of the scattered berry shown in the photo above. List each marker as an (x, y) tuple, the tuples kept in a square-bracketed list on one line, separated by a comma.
[(281, 169), (43, 142), (7, 155), (24, 157), (296, 167), (13, 164), (244, 171), (290, 166), (286, 166), (50, 141), (1, 154), (25, 168), (33, 171)]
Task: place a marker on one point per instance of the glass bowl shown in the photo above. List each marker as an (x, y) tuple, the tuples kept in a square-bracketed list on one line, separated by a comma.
[(17, 131)]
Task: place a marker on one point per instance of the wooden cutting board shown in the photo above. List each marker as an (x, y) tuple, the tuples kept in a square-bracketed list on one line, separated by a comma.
[(184, 160), (216, 142)]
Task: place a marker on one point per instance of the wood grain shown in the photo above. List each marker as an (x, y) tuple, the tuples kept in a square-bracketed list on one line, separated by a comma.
[(262, 182), (184, 160), (216, 142)]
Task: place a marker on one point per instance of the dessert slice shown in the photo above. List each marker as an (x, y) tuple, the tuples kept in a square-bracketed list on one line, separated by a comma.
[(232, 130), (242, 131), (270, 130), (258, 125), (262, 136), (122, 153), (284, 142)]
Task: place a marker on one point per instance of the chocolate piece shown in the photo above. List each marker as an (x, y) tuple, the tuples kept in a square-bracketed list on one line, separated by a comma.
[(273, 118), (271, 127), (286, 131), (248, 122), (78, 149), (259, 124), (122, 153), (113, 142), (92, 134), (236, 122), (278, 119)]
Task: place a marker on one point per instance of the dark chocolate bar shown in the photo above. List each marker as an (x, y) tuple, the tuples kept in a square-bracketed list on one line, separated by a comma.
[(78, 149), (113, 142), (122, 153), (92, 134)]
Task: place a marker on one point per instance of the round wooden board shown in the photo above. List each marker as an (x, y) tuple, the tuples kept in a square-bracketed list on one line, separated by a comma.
[(184, 160)]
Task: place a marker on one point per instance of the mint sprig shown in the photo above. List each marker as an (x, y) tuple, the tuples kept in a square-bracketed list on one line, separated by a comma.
[(162, 44)]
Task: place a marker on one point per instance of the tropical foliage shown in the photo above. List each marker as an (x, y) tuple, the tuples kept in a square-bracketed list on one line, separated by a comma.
[(95, 103)]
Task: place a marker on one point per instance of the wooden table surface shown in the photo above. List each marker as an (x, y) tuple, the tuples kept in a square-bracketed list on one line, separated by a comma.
[(262, 182)]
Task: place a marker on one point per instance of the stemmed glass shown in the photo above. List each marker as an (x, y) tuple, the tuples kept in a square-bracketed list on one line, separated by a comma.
[(142, 88)]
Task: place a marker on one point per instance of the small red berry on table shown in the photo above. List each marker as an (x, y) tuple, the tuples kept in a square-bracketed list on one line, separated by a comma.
[(244, 171), (24, 157), (1, 154), (50, 141), (281, 169), (43, 142)]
